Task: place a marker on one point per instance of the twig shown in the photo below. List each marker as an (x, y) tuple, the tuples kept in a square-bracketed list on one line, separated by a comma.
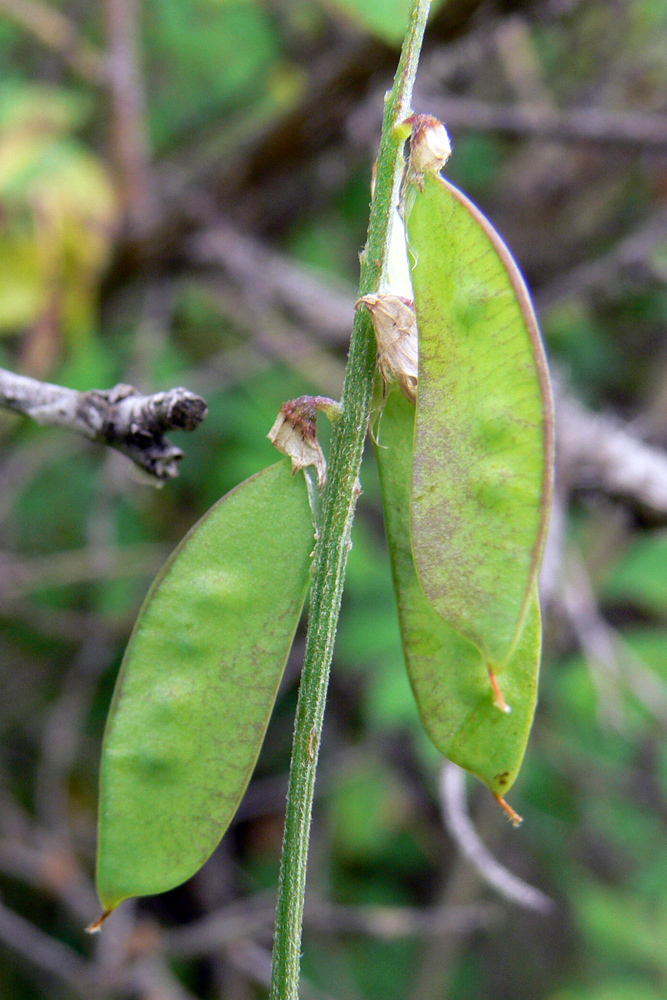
[(42, 951), (630, 263), (254, 962), (553, 548), (151, 979), (26, 460), (276, 337), (594, 638), (61, 732), (121, 417), (598, 452), (387, 923), (232, 930), (240, 920), (391, 923), (43, 860), (23, 576), (459, 886), (274, 280), (52, 869), (129, 132), (462, 831), (123, 937), (56, 31), (613, 664), (515, 49), (65, 625), (633, 129), (462, 56)]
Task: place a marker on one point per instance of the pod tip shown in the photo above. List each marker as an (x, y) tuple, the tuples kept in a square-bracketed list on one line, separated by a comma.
[(498, 697), (96, 925), (513, 816)]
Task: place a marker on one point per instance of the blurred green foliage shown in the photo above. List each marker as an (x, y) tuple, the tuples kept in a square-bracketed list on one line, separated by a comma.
[(59, 212), (209, 58), (385, 18), (246, 91)]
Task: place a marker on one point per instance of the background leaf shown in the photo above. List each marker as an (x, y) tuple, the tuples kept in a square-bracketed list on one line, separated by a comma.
[(387, 19)]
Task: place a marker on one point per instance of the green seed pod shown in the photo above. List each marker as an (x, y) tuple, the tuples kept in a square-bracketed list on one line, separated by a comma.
[(483, 449), (447, 672), (198, 683)]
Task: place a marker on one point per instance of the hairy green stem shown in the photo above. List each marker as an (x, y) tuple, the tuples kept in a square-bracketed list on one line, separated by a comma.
[(339, 502)]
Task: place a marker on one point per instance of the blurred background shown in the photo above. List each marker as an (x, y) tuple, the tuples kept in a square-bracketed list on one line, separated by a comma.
[(184, 189)]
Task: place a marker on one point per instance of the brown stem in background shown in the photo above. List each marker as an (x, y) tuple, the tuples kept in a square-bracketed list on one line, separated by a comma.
[(129, 131), (56, 31), (633, 129), (43, 951)]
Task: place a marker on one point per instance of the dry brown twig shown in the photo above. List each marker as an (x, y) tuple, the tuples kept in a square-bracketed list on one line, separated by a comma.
[(44, 952), (630, 129), (615, 668), (254, 917), (129, 129), (122, 417), (632, 262), (277, 338), (530, 117), (596, 451), (20, 577)]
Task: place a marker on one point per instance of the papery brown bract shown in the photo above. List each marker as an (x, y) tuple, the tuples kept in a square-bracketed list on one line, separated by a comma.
[(395, 326)]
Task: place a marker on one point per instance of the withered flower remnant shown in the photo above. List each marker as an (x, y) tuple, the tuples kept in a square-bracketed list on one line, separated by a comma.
[(395, 325), (430, 147), (294, 432)]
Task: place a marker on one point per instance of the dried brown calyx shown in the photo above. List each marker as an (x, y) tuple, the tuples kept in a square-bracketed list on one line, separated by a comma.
[(430, 147), (395, 326), (294, 432)]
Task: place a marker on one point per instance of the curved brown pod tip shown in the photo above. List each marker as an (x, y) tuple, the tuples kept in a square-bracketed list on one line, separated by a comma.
[(96, 925), (498, 696), (513, 816)]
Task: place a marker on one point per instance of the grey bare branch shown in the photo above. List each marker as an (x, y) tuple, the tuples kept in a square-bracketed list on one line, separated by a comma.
[(122, 417), (462, 831), (599, 452), (43, 951)]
